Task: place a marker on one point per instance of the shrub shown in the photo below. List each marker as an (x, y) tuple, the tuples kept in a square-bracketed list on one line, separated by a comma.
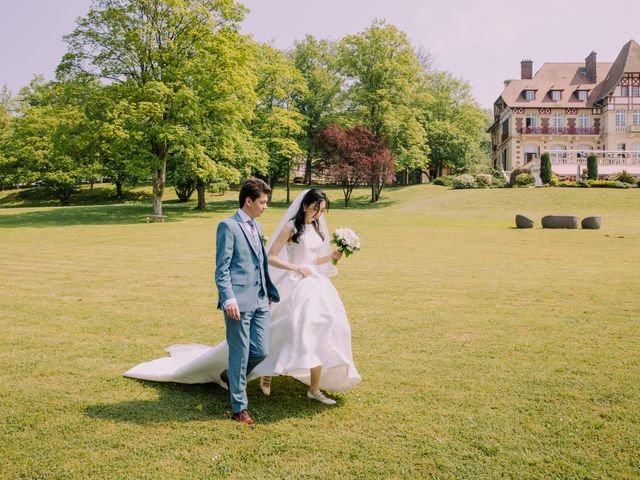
[(445, 181), (592, 167), (608, 184), (554, 180), (567, 184), (624, 176), (515, 172), (525, 180), (464, 181), (484, 180), (545, 168), (499, 182)]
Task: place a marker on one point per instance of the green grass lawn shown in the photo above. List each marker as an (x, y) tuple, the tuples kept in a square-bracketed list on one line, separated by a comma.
[(485, 351)]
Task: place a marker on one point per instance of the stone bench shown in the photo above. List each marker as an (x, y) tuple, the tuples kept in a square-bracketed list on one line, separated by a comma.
[(560, 221), (522, 221), (592, 223)]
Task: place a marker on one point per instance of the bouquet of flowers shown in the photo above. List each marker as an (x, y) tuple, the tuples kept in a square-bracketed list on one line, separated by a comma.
[(346, 240)]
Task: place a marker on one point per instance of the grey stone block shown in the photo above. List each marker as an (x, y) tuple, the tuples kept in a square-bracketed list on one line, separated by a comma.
[(560, 221), (592, 223), (523, 221)]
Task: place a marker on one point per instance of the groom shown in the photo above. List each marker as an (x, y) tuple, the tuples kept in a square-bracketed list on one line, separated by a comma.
[(245, 291)]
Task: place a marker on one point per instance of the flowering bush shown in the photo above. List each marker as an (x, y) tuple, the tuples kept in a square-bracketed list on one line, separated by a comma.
[(464, 181), (484, 179)]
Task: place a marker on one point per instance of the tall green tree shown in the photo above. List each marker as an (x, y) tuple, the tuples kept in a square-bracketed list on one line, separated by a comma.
[(383, 75), (316, 60), (7, 109), (154, 47), (450, 111), (52, 144), (277, 122)]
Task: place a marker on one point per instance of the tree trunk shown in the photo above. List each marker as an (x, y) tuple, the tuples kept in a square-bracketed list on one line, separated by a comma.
[(308, 167), (159, 177), (202, 202), (118, 189)]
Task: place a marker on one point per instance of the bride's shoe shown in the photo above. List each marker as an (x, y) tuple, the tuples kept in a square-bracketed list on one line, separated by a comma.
[(265, 385), (320, 397)]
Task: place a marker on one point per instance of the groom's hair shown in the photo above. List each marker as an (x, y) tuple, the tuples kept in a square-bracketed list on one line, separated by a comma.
[(253, 188)]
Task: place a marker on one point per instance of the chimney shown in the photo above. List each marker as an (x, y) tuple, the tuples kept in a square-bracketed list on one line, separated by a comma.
[(590, 66), (526, 69)]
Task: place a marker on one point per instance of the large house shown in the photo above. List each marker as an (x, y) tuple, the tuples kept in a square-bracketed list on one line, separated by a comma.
[(571, 110)]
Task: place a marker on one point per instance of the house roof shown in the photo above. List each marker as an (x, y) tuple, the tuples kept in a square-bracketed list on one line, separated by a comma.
[(567, 77), (570, 77), (628, 60)]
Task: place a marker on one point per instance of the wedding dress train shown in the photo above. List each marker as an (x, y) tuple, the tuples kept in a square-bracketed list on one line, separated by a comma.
[(309, 328)]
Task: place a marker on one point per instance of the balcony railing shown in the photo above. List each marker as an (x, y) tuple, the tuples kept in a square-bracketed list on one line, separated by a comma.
[(560, 131)]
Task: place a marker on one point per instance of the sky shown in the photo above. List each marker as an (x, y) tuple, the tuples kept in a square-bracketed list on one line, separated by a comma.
[(480, 41)]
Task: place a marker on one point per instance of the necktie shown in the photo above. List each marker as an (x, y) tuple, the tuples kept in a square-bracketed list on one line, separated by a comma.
[(254, 234)]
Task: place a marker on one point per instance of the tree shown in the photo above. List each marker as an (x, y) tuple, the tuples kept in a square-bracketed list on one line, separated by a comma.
[(354, 155), (7, 109), (449, 110), (448, 144), (383, 75), (545, 168), (277, 120), (153, 47), (592, 167), (52, 142), (316, 62)]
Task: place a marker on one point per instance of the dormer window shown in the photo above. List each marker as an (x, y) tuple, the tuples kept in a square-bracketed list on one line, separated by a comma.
[(582, 95), (529, 94), (556, 95)]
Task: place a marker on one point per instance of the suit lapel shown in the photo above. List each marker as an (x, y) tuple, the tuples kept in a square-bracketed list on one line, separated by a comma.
[(247, 233)]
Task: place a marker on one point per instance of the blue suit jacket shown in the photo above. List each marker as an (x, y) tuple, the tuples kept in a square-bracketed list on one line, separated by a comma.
[(238, 269)]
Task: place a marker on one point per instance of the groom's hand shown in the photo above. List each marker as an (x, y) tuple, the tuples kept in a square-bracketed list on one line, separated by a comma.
[(233, 311)]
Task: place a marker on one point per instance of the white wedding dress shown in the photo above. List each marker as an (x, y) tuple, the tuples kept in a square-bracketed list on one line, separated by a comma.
[(309, 327)]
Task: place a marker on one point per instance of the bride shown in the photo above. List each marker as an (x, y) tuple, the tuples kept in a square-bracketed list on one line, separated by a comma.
[(310, 336)]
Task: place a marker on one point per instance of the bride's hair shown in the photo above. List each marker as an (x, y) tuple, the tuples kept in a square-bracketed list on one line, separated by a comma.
[(312, 198)]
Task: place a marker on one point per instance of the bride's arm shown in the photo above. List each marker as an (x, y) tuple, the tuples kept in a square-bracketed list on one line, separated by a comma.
[(327, 258), (284, 237)]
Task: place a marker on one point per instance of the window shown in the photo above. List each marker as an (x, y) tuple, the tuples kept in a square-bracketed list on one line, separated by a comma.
[(582, 95), (622, 147), (636, 117), (558, 120), (635, 91), (624, 91), (529, 94), (621, 118), (531, 120), (555, 95), (584, 120), (505, 128)]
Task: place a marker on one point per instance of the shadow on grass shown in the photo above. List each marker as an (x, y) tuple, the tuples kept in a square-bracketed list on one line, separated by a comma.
[(108, 214), (114, 214), (99, 195), (192, 403)]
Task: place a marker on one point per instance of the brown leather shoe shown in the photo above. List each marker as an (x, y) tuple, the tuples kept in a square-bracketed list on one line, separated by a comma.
[(224, 377), (243, 417)]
